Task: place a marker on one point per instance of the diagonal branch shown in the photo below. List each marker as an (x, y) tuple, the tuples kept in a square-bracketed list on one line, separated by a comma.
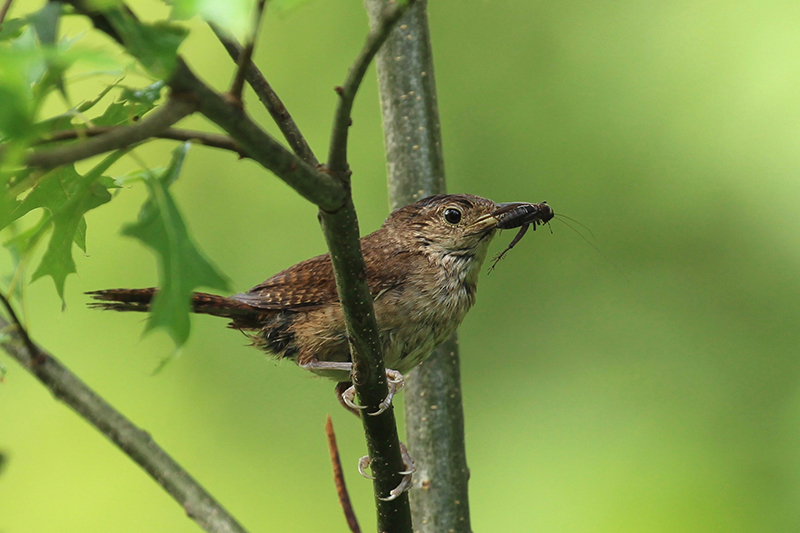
[(244, 59), (213, 140), (337, 153), (154, 123), (317, 187), (269, 98), (342, 236), (136, 443)]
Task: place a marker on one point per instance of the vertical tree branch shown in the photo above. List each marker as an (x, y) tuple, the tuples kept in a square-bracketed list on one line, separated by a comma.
[(383, 24), (434, 414)]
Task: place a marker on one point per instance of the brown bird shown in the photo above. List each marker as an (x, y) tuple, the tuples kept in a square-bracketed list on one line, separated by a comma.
[(422, 270)]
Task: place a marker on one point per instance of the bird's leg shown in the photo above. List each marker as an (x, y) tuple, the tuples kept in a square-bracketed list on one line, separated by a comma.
[(394, 380), (346, 392), (404, 485)]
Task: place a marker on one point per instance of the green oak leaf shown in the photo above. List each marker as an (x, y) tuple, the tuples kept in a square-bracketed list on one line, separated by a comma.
[(45, 22), (67, 197), (182, 267)]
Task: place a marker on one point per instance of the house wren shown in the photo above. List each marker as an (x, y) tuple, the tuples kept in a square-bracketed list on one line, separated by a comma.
[(422, 270)]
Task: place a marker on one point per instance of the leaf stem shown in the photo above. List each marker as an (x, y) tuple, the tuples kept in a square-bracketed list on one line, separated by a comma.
[(338, 479)]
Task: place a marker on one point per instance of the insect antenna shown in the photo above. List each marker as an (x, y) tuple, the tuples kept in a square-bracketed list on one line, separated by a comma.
[(578, 222), (590, 243)]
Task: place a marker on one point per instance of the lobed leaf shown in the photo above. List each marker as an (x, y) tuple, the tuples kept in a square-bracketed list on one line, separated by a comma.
[(66, 196), (182, 267)]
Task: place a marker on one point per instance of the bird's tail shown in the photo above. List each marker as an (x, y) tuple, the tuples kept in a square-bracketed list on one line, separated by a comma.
[(139, 300)]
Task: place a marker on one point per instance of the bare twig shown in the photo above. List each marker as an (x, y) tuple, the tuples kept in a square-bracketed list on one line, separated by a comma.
[(338, 479), (317, 187), (137, 444), (244, 59), (213, 140), (153, 124), (4, 11), (270, 99), (337, 153)]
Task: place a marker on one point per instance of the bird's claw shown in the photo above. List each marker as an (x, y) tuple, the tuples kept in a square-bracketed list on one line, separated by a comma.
[(363, 464), (395, 383), (404, 485), (348, 397)]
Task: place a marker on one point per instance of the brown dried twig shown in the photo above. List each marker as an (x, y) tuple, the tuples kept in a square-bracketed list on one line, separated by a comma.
[(338, 479)]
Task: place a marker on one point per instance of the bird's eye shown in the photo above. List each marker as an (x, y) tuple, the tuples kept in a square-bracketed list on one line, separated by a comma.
[(452, 215)]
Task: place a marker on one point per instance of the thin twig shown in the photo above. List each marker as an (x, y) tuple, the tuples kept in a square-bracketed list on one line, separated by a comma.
[(213, 140), (337, 153), (318, 187), (244, 59), (198, 504), (4, 11), (269, 98), (156, 122), (338, 479)]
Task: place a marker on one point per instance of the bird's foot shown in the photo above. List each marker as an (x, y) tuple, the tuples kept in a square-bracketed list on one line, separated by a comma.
[(404, 485), (395, 382)]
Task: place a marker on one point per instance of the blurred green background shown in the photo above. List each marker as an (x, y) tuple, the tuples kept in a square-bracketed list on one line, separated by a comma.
[(667, 401)]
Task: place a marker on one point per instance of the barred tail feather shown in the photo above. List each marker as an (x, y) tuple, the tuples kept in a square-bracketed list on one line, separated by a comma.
[(139, 300)]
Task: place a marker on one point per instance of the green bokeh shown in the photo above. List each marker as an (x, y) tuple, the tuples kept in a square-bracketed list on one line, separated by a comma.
[(667, 401)]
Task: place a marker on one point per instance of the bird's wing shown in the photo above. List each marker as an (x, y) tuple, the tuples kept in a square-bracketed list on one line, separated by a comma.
[(310, 284)]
